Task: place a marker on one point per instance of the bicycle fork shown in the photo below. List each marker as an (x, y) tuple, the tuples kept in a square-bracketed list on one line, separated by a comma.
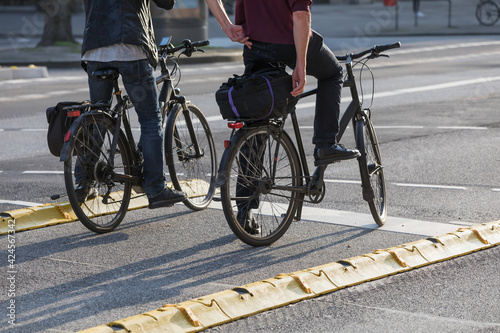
[(183, 152)]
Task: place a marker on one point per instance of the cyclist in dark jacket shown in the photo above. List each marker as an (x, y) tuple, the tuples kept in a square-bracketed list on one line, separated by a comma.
[(119, 34)]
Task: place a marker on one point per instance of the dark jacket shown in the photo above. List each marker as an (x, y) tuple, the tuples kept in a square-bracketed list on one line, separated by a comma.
[(109, 22)]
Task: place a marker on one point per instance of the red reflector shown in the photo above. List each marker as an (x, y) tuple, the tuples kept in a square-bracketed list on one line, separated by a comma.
[(67, 136), (227, 143), (235, 125), (75, 113)]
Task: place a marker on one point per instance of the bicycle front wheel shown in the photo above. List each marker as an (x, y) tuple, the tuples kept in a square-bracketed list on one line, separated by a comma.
[(487, 13), (371, 170), (190, 155), (263, 179), (99, 202)]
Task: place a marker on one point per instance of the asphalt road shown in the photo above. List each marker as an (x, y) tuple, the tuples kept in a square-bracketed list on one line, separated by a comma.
[(436, 115)]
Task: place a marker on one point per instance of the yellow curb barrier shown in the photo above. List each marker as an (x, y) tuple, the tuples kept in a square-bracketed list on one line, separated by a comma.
[(222, 307), (37, 217), (51, 214)]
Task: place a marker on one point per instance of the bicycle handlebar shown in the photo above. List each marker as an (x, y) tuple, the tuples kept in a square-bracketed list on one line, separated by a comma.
[(375, 51), (188, 46)]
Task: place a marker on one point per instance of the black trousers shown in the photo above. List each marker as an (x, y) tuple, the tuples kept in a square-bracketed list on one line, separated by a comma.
[(322, 64)]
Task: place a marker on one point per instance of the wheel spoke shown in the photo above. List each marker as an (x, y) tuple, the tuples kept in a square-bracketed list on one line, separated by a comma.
[(264, 178), (99, 202)]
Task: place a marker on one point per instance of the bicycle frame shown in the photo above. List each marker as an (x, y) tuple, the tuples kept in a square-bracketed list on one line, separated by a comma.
[(353, 109), (172, 96), (262, 194), (167, 97)]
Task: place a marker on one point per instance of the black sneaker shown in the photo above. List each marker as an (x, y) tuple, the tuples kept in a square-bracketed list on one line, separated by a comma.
[(335, 152), (247, 221), (85, 192), (166, 198)]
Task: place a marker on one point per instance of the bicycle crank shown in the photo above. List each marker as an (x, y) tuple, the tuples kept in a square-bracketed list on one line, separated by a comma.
[(316, 188)]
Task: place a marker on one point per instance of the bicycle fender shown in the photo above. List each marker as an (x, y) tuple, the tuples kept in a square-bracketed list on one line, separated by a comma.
[(69, 136), (223, 172)]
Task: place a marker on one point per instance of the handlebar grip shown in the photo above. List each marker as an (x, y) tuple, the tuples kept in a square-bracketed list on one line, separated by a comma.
[(200, 43), (375, 51), (188, 45), (382, 48)]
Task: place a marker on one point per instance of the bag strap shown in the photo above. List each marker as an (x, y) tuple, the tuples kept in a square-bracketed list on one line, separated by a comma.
[(235, 110), (272, 99)]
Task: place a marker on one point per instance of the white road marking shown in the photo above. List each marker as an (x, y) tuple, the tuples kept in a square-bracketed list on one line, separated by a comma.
[(463, 127), (404, 91), (413, 62), (443, 47), (222, 67), (30, 97), (399, 127), (55, 79), (20, 203), (43, 172), (212, 119), (365, 221), (435, 87), (461, 188), (336, 181)]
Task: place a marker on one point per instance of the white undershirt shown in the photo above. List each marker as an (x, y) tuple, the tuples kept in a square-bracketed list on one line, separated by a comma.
[(115, 52)]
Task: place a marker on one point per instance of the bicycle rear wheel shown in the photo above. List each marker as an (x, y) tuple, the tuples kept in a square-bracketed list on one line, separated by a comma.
[(99, 202), (190, 155), (371, 169), (263, 174), (487, 13)]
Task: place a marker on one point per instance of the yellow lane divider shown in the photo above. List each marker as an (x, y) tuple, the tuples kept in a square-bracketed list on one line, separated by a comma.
[(219, 308), (51, 214)]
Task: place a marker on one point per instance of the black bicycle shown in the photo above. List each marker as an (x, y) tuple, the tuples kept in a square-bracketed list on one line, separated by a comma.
[(487, 12), (265, 179), (102, 159)]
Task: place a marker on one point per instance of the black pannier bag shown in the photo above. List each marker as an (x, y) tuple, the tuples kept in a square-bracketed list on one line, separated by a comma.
[(263, 94), (60, 118)]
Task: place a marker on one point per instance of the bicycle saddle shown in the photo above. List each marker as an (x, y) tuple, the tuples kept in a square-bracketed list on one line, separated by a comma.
[(106, 74)]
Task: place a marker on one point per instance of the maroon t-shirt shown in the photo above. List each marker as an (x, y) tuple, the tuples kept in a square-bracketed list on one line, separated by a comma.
[(269, 21)]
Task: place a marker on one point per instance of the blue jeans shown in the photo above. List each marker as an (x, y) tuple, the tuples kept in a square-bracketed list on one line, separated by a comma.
[(140, 84), (322, 64)]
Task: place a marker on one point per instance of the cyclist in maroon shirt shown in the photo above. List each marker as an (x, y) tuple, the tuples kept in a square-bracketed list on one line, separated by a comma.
[(280, 31)]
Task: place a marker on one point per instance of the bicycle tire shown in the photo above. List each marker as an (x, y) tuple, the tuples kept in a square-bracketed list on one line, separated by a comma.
[(190, 173), (273, 208), (88, 166), (371, 169), (487, 13)]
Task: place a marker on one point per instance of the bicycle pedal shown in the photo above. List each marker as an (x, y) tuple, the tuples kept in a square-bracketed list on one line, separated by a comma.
[(334, 160), (327, 161)]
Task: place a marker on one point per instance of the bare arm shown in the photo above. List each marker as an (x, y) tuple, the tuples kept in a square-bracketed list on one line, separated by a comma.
[(301, 32), (234, 32)]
